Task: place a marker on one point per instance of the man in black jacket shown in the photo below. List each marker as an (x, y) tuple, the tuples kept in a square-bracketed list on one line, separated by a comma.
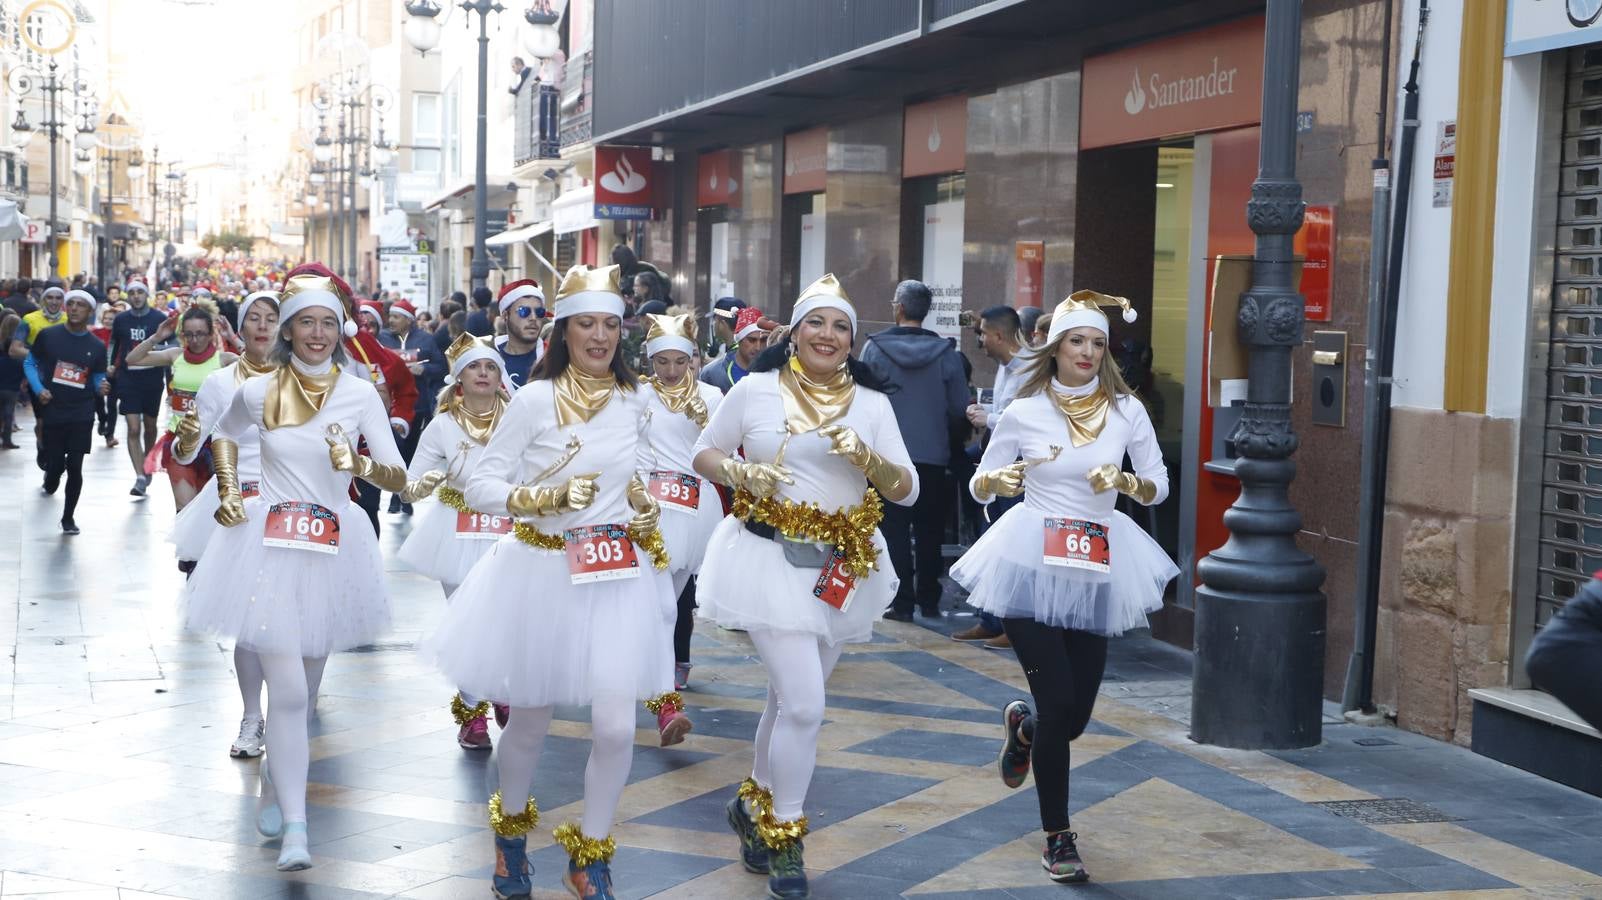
[(930, 395)]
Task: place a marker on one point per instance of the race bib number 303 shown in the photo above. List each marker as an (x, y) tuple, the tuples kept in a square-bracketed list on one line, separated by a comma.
[(600, 553), (300, 525), (1077, 544), (677, 491)]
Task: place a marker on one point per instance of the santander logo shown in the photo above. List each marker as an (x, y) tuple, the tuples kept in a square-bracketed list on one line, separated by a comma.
[(623, 179), (1161, 91)]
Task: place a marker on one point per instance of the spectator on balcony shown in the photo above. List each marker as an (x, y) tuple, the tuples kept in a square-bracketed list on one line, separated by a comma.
[(520, 75)]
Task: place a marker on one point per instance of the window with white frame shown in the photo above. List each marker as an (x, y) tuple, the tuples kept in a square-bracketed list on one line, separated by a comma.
[(427, 131)]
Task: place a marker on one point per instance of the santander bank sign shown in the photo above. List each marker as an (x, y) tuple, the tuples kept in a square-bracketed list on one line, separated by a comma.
[(1205, 80)]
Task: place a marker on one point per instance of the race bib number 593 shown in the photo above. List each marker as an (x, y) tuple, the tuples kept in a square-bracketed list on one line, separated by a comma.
[(677, 491), (299, 525)]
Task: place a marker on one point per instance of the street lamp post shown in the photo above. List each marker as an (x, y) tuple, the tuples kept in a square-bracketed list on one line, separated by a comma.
[(1259, 666), (23, 81)]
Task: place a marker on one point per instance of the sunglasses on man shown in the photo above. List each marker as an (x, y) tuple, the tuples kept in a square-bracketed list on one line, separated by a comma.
[(530, 312)]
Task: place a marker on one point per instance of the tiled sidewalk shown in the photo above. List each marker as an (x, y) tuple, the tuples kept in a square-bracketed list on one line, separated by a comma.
[(115, 781)]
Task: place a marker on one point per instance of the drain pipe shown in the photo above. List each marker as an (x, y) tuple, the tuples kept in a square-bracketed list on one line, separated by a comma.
[(1379, 364)]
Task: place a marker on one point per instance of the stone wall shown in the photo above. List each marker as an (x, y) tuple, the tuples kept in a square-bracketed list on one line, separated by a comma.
[(1446, 581)]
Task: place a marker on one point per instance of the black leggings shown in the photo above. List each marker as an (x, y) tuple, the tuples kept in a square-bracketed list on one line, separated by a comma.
[(685, 625), (1064, 669), (64, 447)]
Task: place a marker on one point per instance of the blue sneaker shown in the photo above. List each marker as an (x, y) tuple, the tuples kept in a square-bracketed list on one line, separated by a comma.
[(592, 882), (787, 874), (512, 871), (294, 855), (753, 853)]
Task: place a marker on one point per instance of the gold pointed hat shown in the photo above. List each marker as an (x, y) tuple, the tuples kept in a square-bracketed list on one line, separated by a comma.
[(589, 290), (825, 293), (466, 350), (1083, 308), (670, 332)]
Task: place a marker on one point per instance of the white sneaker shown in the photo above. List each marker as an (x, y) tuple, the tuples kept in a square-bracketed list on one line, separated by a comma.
[(140, 483), (252, 738)]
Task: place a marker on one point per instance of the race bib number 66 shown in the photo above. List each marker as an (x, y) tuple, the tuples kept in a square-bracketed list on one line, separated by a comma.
[(299, 525), (1078, 544)]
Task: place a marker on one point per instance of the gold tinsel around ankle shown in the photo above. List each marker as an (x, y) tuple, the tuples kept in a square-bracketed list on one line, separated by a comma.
[(760, 798), (673, 698), (776, 834), (464, 713), (512, 826), (583, 850)]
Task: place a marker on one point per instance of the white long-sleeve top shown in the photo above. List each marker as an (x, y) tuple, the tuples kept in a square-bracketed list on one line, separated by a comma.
[(445, 447), (673, 435), (752, 416), (1032, 425), (294, 459), (211, 403), (528, 441), (1005, 390)]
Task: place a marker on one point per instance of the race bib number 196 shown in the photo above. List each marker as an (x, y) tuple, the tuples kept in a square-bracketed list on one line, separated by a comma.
[(1078, 544), (600, 553), (299, 525), (481, 526)]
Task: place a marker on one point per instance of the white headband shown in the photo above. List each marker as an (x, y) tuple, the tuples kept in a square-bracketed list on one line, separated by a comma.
[(53, 289), (669, 342), (821, 301), (604, 302), (85, 296), (1082, 318), (303, 300), (519, 293), (244, 305), (473, 355)]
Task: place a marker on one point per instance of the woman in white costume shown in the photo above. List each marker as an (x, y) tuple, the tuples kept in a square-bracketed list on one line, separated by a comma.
[(800, 565), (1065, 570), (194, 526), (678, 404), (295, 574), (449, 537), (569, 608)]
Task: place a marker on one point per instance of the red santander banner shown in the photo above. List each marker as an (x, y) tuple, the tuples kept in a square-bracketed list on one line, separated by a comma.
[(717, 179), (625, 183)]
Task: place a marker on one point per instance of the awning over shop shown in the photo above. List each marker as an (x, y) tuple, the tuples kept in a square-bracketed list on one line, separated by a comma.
[(518, 235), (12, 222), (461, 196), (574, 210)]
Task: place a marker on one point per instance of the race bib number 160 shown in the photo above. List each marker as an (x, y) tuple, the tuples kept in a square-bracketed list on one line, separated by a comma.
[(299, 525)]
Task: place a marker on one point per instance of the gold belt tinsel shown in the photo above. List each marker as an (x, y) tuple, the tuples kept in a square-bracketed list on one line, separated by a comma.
[(851, 530), (453, 498), (651, 542)]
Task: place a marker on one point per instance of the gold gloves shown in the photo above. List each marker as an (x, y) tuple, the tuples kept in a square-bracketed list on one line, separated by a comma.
[(187, 437), (574, 494), (890, 479), (225, 462), (1007, 481), (761, 480), (1107, 477), (647, 512), (696, 407), (390, 478), (422, 487)]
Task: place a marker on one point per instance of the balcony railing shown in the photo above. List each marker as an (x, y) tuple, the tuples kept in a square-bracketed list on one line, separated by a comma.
[(535, 136), (578, 100)]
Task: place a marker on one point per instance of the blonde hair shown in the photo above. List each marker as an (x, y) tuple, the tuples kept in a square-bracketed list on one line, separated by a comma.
[(1040, 366)]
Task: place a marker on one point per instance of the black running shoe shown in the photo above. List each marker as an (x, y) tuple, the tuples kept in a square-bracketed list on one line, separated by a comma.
[(1061, 859), (68, 526)]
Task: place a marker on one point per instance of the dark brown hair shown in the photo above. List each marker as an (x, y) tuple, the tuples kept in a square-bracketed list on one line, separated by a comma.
[(557, 358)]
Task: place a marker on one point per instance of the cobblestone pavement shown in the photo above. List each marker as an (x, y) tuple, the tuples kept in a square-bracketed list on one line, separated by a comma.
[(115, 780)]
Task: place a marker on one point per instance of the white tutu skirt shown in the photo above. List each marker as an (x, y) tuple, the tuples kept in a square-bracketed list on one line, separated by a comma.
[(286, 601), (1005, 575), (746, 583), (518, 631), (687, 535), (433, 549), (194, 525)]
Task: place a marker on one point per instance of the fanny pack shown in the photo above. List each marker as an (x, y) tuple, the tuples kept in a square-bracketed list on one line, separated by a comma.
[(800, 554)]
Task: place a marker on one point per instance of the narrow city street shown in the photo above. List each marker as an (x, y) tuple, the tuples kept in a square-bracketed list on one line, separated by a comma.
[(115, 780)]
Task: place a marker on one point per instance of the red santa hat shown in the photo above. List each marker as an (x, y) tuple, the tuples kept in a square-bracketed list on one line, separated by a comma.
[(520, 290), (372, 308), (405, 308), (746, 322)]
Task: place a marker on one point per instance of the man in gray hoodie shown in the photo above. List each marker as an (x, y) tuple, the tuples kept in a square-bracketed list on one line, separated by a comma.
[(930, 397)]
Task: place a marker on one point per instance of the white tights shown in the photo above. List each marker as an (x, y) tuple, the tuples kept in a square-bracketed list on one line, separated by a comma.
[(247, 668), (787, 737), (467, 698), (611, 754), (291, 682)]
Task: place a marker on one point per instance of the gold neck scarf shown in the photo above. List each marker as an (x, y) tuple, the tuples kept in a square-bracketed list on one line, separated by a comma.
[(810, 405), (678, 397), (478, 426), (579, 396), (244, 369), (295, 397), (1086, 414)]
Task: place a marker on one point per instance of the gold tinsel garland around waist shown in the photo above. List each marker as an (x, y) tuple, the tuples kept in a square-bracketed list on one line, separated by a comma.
[(851, 530), (453, 499), (651, 542)]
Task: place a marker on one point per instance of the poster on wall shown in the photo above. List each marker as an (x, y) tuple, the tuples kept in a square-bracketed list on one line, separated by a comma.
[(400, 269), (811, 248), (1445, 162), (1315, 244), (942, 266), (1029, 273), (1535, 26)]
